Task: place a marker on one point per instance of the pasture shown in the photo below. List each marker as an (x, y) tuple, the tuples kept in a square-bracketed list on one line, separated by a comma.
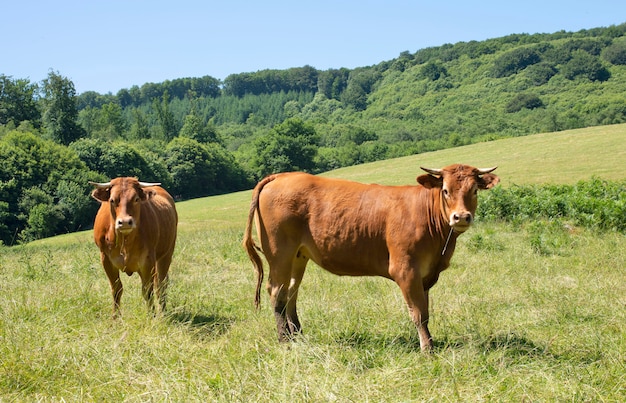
[(509, 323)]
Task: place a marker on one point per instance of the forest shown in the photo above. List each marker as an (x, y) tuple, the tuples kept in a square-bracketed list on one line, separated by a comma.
[(203, 136)]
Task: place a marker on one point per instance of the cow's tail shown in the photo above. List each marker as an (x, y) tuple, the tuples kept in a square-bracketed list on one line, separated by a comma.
[(248, 242)]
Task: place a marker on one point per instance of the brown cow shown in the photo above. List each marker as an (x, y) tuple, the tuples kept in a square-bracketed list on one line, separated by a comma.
[(404, 233), (135, 229)]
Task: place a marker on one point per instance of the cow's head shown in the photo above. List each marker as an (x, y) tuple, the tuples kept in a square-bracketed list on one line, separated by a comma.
[(124, 196), (459, 185)]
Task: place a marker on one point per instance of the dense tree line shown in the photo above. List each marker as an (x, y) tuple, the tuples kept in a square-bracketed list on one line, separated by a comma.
[(201, 136)]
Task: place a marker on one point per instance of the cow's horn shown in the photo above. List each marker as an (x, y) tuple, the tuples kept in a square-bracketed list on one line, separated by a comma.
[(482, 171), (147, 184), (100, 185), (433, 171)]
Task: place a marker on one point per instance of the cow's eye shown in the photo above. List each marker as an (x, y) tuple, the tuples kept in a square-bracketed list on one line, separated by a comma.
[(137, 199), (112, 202), (445, 192)]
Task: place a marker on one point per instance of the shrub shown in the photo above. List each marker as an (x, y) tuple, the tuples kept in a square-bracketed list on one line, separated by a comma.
[(540, 73), (515, 61), (584, 65), (615, 53), (523, 100), (594, 204), (433, 71)]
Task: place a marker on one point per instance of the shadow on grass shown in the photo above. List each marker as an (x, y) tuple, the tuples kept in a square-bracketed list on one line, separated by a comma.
[(368, 340), (204, 325), (511, 345)]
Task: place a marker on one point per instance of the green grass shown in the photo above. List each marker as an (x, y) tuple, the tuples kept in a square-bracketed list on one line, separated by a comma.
[(528, 311)]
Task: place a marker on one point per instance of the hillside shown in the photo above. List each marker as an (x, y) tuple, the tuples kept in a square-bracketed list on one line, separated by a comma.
[(435, 98)]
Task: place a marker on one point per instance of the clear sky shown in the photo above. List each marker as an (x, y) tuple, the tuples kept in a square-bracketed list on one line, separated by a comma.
[(105, 46)]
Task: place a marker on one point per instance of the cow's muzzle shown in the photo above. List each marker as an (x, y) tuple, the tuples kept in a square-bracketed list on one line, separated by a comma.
[(124, 225), (460, 222)]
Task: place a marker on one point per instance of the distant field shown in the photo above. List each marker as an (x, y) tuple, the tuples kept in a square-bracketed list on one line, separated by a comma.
[(561, 157), (530, 311)]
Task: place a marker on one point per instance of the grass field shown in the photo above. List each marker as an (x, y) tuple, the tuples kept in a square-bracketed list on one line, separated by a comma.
[(526, 312)]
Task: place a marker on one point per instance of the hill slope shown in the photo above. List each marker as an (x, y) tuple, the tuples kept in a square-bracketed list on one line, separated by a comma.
[(560, 157)]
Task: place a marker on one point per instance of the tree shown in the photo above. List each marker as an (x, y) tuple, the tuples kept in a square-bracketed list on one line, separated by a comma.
[(585, 65), (615, 53), (17, 101), (190, 166), (290, 146), (165, 116), (540, 73), (140, 128), (41, 214), (113, 159), (113, 123), (193, 128), (202, 169), (31, 172), (5, 231), (515, 61), (332, 82), (523, 100), (433, 71), (60, 112), (360, 84)]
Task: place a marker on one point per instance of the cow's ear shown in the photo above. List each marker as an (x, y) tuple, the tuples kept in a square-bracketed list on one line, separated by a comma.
[(101, 194), (487, 181), (430, 181)]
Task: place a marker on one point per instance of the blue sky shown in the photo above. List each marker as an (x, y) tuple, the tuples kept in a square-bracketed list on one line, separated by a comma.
[(105, 46)]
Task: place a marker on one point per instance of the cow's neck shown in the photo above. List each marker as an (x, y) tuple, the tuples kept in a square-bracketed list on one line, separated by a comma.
[(439, 224)]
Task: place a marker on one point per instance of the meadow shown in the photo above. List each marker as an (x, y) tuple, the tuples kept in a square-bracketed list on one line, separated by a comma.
[(511, 321)]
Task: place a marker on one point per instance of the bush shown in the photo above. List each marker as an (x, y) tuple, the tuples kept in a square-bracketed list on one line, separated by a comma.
[(615, 53), (433, 71), (523, 100), (584, 65), (515, 61), (540, 73), (113, 159), (594, 204), (34, 175)]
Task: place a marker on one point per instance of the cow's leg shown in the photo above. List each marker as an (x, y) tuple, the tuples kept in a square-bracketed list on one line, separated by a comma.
[(278, 288), (117, 289), (297, 272), (410, 282), (161, 279), (147, 285)]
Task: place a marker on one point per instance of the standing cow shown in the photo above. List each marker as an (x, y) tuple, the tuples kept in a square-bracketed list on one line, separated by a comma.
[(404, 233), (135, 229)]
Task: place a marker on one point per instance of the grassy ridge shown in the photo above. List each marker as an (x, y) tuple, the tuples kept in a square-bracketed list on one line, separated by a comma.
[(530, 311), (561, 157)]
